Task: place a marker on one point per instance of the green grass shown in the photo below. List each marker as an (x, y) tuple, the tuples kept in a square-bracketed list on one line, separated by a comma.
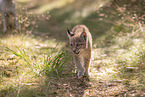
[(49, 64), (36, 61), (121, 57), (22, 68)]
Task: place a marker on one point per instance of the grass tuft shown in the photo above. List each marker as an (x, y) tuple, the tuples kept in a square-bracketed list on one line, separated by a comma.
[(52, 63)]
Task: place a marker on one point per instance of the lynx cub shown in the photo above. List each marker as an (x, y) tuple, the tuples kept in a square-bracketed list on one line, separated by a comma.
[(81, 45)]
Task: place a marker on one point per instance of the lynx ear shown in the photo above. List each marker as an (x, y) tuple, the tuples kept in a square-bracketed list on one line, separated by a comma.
[(84, 35), (69, 33)]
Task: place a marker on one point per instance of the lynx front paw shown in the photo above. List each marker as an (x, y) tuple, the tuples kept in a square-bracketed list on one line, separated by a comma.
[(80, 74)]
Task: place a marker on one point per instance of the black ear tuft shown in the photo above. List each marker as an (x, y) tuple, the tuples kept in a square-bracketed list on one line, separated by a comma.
[(70, 33)]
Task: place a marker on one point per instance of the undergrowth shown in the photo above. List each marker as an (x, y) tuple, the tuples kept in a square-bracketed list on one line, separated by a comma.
[(52, 63), (122, 54)]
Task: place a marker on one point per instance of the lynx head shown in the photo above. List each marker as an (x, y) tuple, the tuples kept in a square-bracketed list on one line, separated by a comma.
[(78, 40)]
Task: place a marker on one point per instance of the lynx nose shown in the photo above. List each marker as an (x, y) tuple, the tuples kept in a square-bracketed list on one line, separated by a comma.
[(76, 52)]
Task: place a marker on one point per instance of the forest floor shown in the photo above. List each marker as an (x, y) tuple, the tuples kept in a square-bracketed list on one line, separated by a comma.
[(36, 61)]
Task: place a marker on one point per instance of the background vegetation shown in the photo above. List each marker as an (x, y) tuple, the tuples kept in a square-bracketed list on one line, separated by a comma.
[(35, 61)]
